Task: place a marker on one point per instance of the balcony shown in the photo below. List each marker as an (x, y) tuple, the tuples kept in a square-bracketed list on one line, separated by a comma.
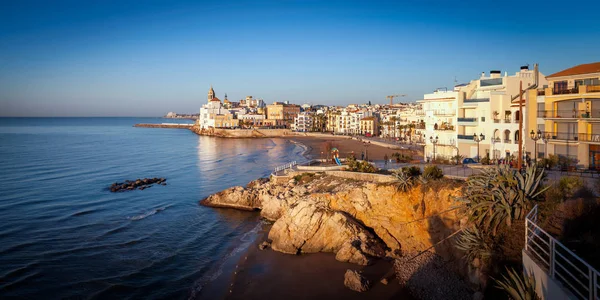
[(441, 112), (496, 120), (589, 137), (467, 119), (477, 100), (569, 114), (541, 92), (507, 141), (565, 91), (563, 136)]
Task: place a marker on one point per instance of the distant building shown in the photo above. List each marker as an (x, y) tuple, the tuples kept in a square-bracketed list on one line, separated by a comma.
[(215, 115), (283, 113), (369, 126), (303, 122)]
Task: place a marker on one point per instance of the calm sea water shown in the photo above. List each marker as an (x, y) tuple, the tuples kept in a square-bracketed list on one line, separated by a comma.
[(64, 235)]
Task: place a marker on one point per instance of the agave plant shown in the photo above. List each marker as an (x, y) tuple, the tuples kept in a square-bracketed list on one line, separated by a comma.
[(474, 243), (405, 181), (518, 286), (500, 195)]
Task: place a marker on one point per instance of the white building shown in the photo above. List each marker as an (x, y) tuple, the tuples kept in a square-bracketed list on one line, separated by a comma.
[(439, 112), (214, 114), (303, 122)]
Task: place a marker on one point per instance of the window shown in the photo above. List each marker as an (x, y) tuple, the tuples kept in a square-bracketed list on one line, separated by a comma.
[(560, 86), (587, 81)]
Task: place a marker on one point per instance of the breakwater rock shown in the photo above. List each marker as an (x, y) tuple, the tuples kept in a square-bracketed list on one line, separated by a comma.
[(139, 184), (242, 133)]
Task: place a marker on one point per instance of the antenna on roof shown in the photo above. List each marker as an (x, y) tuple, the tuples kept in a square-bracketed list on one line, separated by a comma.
[(455, 81)]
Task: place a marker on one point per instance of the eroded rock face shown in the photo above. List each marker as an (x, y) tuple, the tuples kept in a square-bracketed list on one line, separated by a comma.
[(356, 220), (355, 281), (310, 226)]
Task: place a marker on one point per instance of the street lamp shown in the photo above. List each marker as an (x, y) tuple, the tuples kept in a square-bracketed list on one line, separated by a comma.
[(366, 145), (434, 141), (545, 139), (478, 139), (535, 137)]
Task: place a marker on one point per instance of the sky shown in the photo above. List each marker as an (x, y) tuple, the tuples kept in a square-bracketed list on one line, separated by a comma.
[(147, 58)]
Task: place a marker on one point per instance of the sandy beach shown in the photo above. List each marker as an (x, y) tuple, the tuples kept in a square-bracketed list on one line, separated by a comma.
[(316, 148), (267, 274)]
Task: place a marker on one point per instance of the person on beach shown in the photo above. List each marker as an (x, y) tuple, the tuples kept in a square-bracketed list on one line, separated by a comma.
[(362, 155), (385, 158)]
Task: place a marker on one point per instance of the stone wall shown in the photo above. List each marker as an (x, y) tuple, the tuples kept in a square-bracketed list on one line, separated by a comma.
[(243, 133), (380, 178)]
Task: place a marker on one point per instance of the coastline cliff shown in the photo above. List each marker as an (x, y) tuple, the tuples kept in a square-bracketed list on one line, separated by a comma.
[(322, 213)]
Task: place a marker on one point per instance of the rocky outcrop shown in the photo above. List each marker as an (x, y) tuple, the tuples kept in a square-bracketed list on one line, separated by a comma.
[(355, 281), (139, 184), (330, 214), (310, 226)]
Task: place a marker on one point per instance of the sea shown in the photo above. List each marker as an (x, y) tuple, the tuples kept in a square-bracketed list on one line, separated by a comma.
[(63, 234)]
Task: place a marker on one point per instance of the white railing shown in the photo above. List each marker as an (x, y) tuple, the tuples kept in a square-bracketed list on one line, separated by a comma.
[(283, 167), (562, 264)]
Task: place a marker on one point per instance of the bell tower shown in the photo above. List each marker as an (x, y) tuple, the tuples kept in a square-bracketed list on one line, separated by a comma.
[(211, 94)]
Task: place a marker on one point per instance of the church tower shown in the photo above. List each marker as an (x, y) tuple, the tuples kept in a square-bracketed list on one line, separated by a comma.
[(211, 94)]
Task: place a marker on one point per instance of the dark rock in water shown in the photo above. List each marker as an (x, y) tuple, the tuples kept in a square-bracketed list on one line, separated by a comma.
[(140, 184), (355, 281)]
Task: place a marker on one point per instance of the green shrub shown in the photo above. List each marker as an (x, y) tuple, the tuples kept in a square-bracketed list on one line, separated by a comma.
[(570, 185), (485, 160), (433, 172), (475, 244), (412, 171), (401, 158), (518, 286), (304, 177), (361, 166), (500, 195), (405, 181)]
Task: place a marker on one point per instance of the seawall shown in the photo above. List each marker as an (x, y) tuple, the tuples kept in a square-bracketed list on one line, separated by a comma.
[(165, 125), (243, 133)]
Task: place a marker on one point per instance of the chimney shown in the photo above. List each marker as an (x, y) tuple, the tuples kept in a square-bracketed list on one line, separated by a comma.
[(495, 73), (482, 74)]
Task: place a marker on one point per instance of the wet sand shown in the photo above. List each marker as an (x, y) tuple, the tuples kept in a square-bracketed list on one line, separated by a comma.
[(346, 146), (267, 274)]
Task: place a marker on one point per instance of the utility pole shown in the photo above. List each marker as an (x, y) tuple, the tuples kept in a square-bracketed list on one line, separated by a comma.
[(520, 160)]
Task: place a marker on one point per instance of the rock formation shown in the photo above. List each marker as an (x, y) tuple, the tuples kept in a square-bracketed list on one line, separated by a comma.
[(355, 281), (139, 184), (354, 219)]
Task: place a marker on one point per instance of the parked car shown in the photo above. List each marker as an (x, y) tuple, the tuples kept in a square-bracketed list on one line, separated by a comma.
[(468, 160)]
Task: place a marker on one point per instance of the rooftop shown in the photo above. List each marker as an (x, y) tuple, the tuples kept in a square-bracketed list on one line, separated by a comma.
[(579, 69)]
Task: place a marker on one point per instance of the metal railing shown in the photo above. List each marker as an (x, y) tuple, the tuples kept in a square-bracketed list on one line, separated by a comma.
[(286, 166), (569, 114), (477, 100), (562, 264), (467, 119)]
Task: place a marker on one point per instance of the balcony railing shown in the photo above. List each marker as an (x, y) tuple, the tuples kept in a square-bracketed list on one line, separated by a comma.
[(589, 137), (475, 100), (593, 88), (541, 92), (465, 137), (496, 140), (569, 114), (562, 136), (507, 141), (496, 120), (442, 112), (565, 91), (467, 119), (420, 126)]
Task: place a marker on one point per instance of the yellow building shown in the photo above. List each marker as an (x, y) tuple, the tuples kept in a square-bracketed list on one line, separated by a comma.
[(282, 111), (571, 114), (369, 125), (225, 121)]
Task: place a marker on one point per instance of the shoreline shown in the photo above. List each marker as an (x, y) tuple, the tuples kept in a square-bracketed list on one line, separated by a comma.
[(268, 274)]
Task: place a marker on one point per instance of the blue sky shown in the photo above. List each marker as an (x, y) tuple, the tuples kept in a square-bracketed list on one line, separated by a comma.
[(145, 58)]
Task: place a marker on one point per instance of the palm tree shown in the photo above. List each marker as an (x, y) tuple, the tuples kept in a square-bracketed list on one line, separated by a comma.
[(393, 120)]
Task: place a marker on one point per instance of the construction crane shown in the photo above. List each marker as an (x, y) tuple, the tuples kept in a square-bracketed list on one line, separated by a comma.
[(391, 97)]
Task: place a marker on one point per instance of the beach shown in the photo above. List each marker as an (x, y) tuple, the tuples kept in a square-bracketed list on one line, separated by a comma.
[(316, 147), (268, 274)]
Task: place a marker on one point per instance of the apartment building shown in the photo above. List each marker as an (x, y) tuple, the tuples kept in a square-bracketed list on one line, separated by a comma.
[(283, 113), (303, 122), (488, 116), (439, 112), (571, 115)]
